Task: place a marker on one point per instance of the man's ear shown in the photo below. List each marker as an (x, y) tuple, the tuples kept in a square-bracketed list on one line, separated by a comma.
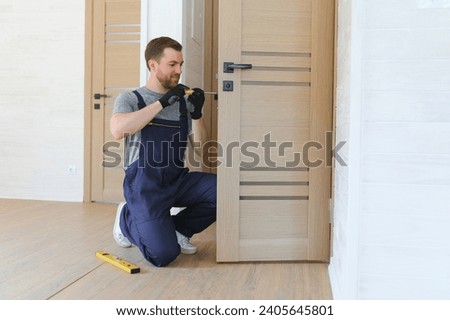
[(151, 64)]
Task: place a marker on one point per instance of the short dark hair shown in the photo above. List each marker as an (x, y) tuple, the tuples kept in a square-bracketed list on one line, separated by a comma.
[(155, 48)]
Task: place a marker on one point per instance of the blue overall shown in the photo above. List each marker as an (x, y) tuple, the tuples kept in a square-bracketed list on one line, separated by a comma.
[(158, 181)]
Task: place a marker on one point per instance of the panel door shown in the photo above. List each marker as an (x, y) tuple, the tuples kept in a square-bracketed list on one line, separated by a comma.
[(115, 69), (273, 181)]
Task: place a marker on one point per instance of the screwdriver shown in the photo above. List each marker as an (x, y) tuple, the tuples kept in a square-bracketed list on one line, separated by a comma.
[(190, 91)]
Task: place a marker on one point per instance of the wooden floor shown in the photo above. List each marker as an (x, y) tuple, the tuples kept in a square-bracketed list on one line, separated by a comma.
[(48, 252)]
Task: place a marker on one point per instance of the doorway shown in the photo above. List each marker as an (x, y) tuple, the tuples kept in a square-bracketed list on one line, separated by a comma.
[(112, 67)]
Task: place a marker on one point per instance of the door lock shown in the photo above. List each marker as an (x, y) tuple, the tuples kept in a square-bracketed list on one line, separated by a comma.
[(228, 85)]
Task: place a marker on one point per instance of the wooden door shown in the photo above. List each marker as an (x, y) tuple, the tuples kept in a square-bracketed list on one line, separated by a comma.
[(273, 199), (115, 69)]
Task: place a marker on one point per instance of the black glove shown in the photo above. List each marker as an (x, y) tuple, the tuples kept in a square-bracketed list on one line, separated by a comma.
[(197, 98), (173, 95)]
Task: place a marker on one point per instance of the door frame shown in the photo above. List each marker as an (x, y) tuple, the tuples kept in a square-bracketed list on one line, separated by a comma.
[(87, 176), (210, 67)]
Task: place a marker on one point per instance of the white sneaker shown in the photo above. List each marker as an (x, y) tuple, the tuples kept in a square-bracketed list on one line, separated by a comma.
[(186, 246), (117, 232)]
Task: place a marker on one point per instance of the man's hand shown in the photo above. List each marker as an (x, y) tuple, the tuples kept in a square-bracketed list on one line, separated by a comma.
[(197, 98), (173, 95)]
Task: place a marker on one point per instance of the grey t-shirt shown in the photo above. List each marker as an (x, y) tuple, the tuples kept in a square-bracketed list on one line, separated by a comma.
[(128, 102)]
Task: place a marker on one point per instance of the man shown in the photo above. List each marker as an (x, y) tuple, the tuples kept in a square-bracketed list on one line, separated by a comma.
[(155, 121)]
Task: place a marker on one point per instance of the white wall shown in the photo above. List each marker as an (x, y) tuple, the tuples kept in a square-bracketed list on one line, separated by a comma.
[(346, 190), (41, 99), (401, 223)]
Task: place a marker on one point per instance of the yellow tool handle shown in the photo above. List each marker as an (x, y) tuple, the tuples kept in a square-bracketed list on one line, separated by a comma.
[(190, 91)]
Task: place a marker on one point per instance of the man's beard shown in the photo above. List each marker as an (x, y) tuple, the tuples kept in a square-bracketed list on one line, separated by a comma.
[(169, 82)]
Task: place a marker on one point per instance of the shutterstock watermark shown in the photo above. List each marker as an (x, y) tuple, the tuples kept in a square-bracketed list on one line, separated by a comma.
[(249, 154)]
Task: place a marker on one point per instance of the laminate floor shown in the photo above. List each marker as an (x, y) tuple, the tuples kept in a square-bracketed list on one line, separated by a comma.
[(48, 252)]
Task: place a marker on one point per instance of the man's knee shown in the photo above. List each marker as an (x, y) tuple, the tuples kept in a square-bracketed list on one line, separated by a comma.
[(211, 182), (162, 256)]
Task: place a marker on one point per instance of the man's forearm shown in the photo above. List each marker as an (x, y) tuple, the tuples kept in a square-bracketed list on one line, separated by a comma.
[(125, 124)]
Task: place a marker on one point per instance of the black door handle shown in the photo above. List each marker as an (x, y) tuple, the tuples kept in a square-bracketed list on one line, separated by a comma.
[(228, 67), (98, 96)]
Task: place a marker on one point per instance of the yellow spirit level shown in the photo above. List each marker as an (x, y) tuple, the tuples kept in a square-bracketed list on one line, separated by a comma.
[(120, 263)]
